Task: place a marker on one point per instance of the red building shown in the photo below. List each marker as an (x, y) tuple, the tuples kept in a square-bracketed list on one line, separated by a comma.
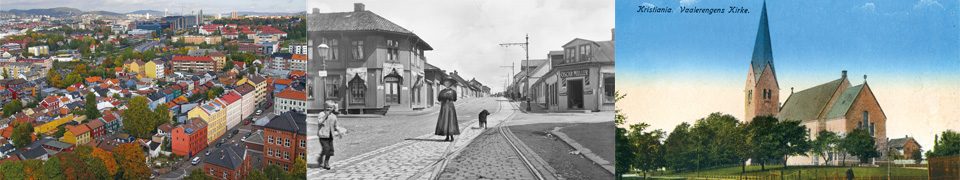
[(96, 129), (190, 138), (193, 63), (285, 140)]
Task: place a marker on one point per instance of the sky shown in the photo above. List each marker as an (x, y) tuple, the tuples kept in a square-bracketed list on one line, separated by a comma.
[(466, 34), (679, 67), (174, 6)]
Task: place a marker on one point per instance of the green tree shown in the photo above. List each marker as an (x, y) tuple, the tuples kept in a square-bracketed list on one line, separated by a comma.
[(90, 106), (161, 115), (791, 140), (197, 174), (5, 73), (12, 170), (946, 144), (22, 135), (825, 144), (624, 154), (762, 138), (716, 138), (138, 120), (11, 108), (647, 147), (52, 169), (916, 156), (859, 143), (256, 175), (299, 170), (679, 148)]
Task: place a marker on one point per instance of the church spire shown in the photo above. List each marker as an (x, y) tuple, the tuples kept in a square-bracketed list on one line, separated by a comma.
[(762, 51)]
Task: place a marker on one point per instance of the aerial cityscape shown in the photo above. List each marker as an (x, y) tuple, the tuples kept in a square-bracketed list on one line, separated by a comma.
[(158, 94)]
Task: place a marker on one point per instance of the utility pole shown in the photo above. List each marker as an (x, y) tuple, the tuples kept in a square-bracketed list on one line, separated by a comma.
[(526, 47), (509, 78)]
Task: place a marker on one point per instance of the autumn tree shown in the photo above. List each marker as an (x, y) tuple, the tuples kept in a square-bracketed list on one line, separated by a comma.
[(130, 156), (108, 161), (197, 174), (53, 170)]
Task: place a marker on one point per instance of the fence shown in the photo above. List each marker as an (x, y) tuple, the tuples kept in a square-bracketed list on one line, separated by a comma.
[(945, 168)]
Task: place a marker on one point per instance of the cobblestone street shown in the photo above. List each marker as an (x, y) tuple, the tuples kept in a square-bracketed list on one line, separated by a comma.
[(490, 156), (367, 152)]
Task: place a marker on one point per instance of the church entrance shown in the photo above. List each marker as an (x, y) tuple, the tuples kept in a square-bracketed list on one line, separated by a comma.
[(575, 94)]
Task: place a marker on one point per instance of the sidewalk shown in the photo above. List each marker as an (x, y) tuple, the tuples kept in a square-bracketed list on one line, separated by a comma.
[(414, 158)]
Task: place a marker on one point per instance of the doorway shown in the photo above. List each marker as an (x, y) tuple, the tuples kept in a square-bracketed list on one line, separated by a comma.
[(575, 94)]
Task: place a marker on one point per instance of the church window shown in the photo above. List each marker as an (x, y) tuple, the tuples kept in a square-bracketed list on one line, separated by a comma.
[(749, 96)]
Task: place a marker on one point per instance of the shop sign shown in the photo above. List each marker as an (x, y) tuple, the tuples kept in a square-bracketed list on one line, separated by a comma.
[(574, 73)]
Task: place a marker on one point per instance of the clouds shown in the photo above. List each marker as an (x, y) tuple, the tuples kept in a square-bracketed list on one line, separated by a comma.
[(928, 4), (688, 2), (868, 7)]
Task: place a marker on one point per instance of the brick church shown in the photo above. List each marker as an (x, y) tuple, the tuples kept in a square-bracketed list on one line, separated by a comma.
[(837, 105)]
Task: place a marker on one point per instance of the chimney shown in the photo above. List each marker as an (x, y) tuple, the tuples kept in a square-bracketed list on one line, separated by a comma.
[(357, 7), (843, 74), (316, 10)]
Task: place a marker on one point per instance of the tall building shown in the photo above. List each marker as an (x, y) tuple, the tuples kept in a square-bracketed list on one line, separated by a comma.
[(762, 92), (372, 64)]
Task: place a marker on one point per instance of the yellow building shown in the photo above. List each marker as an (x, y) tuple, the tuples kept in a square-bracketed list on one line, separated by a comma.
[(79, 134), (214, 114), (135, 66), (153, 69), (50, 127)]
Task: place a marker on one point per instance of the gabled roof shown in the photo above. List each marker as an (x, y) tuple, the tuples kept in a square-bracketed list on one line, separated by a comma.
[(357, 21), (230, 97), (900, 142), (230, 157), (807, 104), (78, 129), (289, 93), (844, 102), (290, 121)]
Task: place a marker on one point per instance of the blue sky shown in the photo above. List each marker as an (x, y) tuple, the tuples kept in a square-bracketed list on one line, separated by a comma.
[(678, 67)]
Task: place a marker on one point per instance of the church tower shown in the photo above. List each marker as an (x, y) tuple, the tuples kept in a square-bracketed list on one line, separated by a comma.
[(762, 92)]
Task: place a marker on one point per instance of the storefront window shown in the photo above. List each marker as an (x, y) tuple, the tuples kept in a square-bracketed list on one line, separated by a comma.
[(333, 86), (608, 88), (358, 89)]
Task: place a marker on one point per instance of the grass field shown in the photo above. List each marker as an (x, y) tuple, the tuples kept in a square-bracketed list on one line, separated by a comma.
[(795, 172)]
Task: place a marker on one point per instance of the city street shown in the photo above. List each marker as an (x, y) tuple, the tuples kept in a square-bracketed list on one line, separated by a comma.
[(400, 146), (183, 167)]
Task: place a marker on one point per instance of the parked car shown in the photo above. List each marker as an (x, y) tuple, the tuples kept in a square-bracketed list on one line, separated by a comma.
[(195, 161), (259, 111), (208, 153)]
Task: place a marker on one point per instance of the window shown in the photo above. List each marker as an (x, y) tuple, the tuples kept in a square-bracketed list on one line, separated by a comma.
[(749, 96), (286, 142), (358, 50), (270, 139), (334, 49), (286, 155), (393, 50), (303, 143), (333, 86), (358, 90)]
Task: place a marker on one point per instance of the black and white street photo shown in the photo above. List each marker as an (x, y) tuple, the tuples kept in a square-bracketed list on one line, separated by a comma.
[(419, 89)]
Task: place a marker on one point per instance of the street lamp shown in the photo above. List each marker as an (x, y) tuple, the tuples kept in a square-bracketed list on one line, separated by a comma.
[(319, 91)]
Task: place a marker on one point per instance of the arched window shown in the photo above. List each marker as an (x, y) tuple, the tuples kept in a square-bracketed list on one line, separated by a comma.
[(393, 81), (358, 89)]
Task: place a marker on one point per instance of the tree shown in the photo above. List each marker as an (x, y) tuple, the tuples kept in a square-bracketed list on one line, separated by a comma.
[(6, 74), (792, 140), (946, 144), (90, 106), (825, 144), (11, 170), (11, 108), (109, 163), (74, 167), (130, 156), (197, 174), (138, 120), (299, 169), (256, 175), (647, 147), (52, 169), (33, 168), (161, 115), (859, 143), (624, 155), (679, 148), (22, 135), (761, 136), (275, 172)]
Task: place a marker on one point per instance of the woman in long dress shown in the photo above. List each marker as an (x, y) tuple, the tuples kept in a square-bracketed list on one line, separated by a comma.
[(447, 122)]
